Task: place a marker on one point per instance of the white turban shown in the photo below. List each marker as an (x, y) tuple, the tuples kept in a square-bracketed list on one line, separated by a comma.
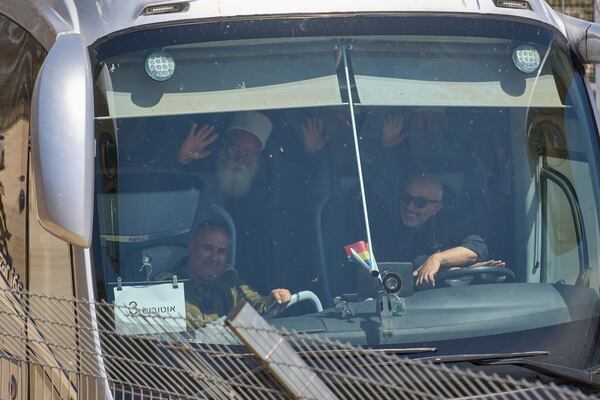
[(252, 122)]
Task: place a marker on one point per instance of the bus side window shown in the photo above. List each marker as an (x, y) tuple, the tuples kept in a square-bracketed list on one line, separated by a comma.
[(561, 240), (21, 59), (570, 223)]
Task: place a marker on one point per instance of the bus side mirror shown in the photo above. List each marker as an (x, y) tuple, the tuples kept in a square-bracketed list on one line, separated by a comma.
[(62, 141), (591, 49), (585, 36)]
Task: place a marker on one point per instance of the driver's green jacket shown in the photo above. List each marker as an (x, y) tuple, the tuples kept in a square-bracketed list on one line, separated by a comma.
[(209, 301)]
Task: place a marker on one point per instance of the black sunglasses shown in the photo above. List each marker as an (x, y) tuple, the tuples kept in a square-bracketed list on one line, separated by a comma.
[(419, 202)]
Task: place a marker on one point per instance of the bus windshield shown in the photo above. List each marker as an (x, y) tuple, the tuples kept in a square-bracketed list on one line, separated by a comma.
[(457, 155)]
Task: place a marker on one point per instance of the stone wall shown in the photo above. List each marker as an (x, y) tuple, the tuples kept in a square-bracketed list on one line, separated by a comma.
[(583, 9)]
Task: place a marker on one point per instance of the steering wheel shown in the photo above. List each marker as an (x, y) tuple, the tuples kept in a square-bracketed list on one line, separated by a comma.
[(306, 295), (466, 276)]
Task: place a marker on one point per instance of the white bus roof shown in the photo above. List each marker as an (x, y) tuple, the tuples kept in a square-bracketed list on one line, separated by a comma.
[(96, 19)]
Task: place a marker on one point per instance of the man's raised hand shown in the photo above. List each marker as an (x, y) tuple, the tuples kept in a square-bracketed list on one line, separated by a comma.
[(314, 138), (393, 131), (194, 147)]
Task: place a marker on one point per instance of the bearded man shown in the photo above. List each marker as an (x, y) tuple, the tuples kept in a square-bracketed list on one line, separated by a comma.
[(237, 157)]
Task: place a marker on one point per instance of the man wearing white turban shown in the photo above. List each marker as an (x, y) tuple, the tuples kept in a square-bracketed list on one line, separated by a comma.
[(237, 158)]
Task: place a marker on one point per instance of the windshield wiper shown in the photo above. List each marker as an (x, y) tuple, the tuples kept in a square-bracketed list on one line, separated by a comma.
[(342, 353), (521, 359), (476, 358)]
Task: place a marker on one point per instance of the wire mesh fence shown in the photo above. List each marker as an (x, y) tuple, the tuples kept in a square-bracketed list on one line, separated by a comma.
[(57, 348)]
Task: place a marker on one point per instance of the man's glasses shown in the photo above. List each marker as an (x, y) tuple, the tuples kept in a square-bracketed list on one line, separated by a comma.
[(235, 152), (419, 202)]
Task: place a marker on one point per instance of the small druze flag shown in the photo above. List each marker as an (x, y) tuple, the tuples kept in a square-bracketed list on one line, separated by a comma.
[(361, 249)]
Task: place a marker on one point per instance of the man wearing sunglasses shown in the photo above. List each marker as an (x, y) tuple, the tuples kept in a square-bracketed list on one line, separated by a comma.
[(420, 236)]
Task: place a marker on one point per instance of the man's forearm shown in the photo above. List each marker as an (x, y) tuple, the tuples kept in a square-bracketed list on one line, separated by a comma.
[(456, 257)]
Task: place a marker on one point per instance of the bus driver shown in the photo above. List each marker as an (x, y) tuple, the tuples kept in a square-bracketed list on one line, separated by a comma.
[(418, 237)]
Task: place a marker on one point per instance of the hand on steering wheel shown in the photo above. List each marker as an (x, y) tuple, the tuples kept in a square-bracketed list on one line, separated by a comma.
[(480, 273), (276, 308)]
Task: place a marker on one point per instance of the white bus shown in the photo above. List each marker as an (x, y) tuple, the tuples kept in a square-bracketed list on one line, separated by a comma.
[(451, 147)]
